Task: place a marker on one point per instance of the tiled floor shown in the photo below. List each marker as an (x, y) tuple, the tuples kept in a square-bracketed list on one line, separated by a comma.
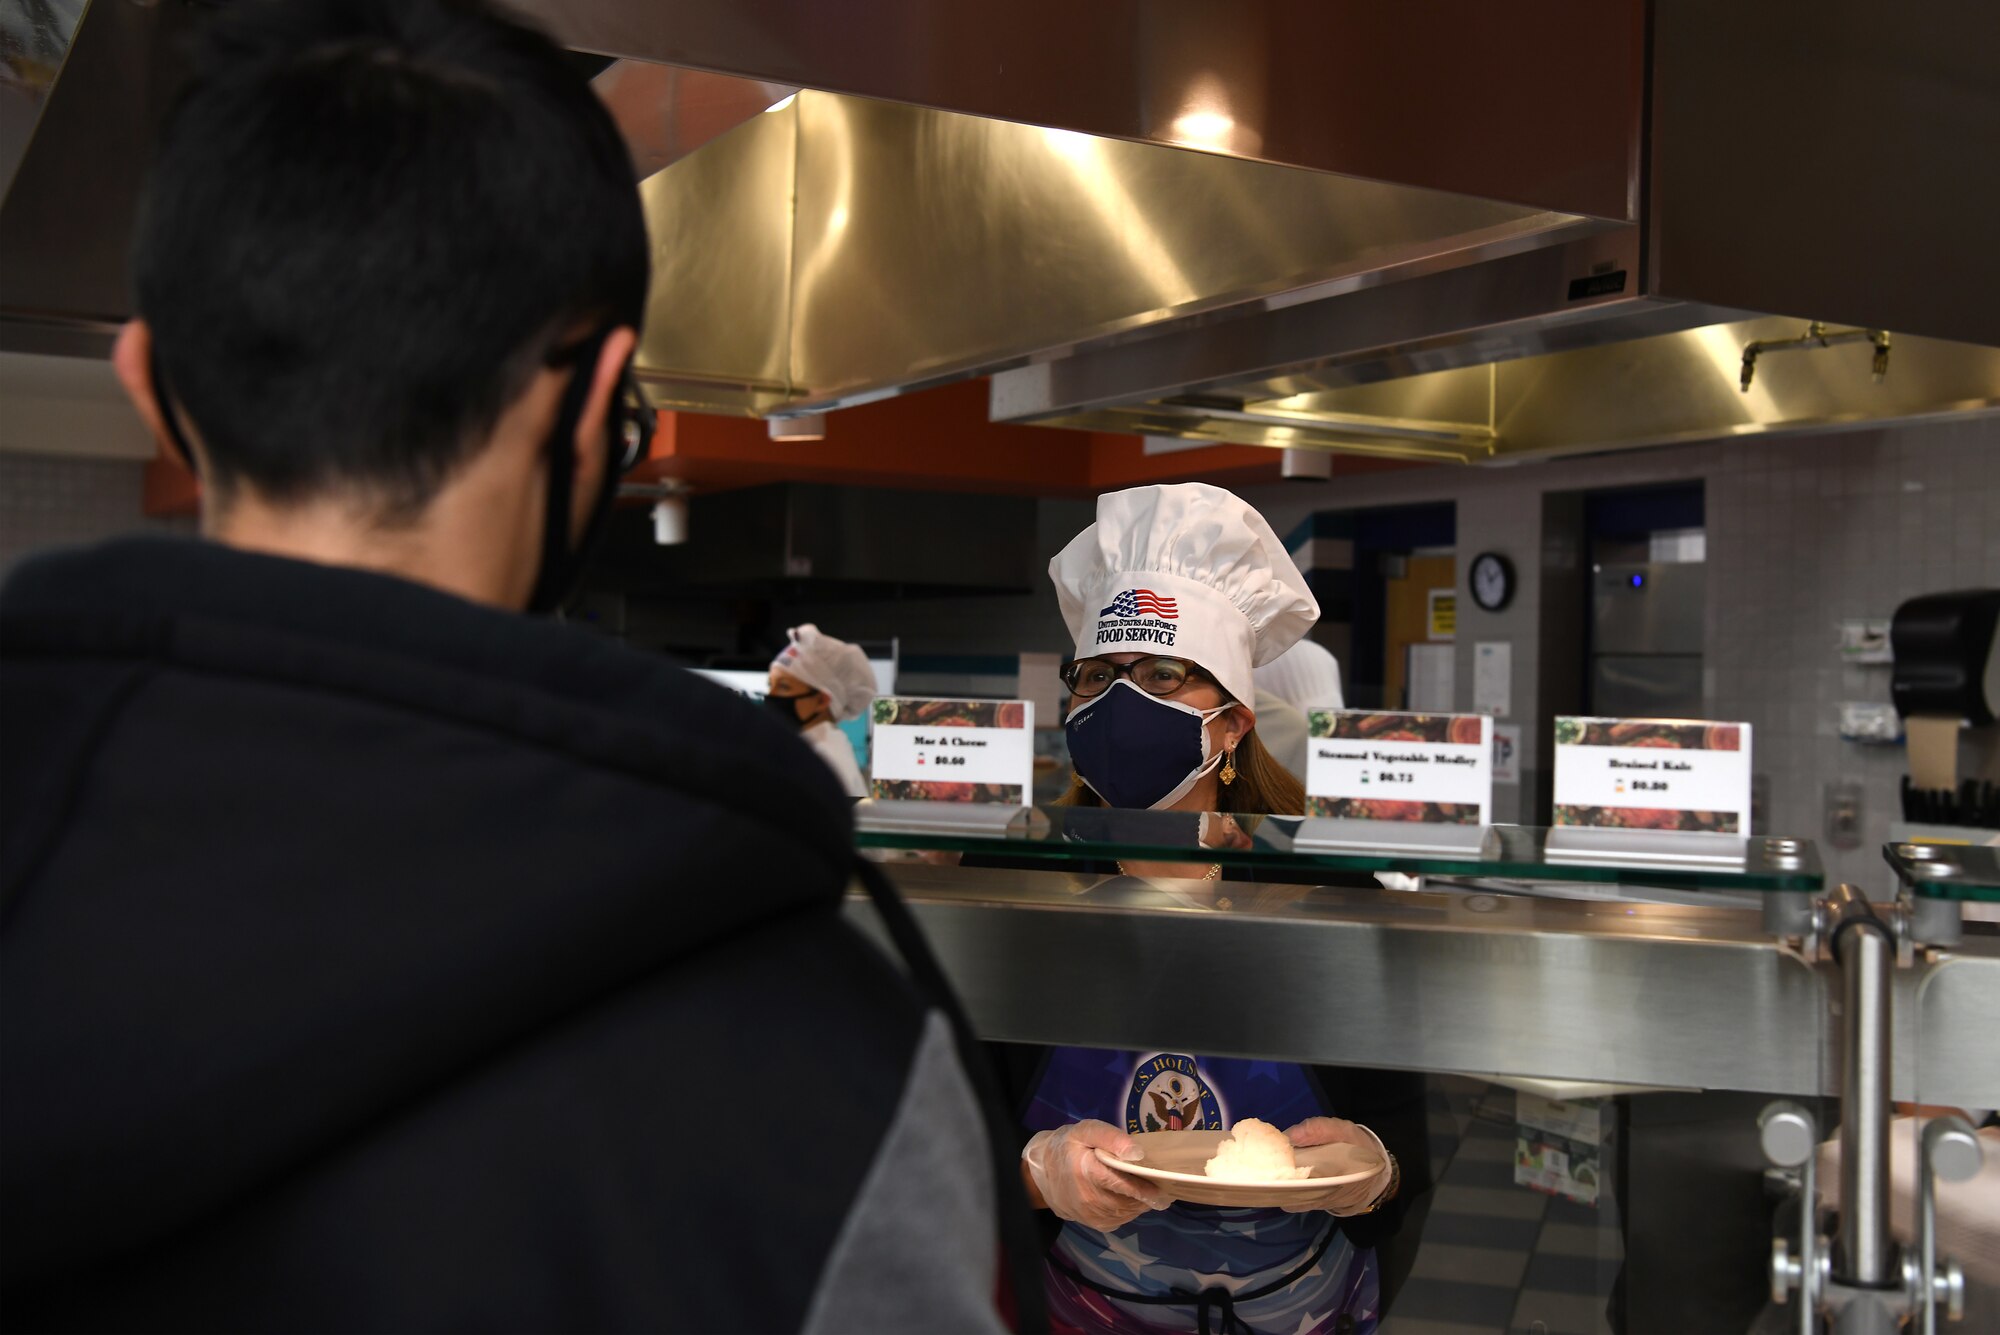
[(1498, 1258)]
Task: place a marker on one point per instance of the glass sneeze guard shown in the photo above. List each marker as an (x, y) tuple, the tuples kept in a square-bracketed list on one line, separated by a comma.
[(1291, 848), (1947, 871)]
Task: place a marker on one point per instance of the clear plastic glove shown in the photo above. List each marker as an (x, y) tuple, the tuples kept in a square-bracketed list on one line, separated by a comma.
[(1346, 1197), (1079, 1186)]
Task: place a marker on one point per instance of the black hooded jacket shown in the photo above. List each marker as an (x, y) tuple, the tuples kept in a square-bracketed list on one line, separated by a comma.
[(375, 960)]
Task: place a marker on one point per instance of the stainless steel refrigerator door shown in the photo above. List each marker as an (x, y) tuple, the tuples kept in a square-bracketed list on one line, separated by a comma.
[(1649, 609), (1646, 686)]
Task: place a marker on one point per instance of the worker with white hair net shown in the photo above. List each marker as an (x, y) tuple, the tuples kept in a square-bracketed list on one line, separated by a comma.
[(816, 681), (1303, 678)]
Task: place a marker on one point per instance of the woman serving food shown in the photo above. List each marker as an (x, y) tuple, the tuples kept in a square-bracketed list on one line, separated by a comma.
[(1173, 596)]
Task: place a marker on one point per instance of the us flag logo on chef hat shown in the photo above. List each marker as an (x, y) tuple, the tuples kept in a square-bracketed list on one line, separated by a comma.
[(1141, 603)]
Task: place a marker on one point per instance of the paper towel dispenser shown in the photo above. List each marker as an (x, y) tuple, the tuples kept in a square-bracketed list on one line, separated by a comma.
[(1947, 663)]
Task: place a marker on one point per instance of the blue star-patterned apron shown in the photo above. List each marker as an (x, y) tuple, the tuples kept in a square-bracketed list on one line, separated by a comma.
[(1228, 1265)]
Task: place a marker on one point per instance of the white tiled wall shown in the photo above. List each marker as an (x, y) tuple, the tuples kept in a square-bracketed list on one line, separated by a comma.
[(1806, 534), (57, 500), (1803, 533)]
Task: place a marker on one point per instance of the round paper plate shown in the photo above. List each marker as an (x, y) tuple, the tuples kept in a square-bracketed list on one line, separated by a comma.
[(1174, 1159)]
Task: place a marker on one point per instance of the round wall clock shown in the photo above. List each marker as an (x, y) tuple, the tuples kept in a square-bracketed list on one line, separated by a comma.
[(1492, 581)]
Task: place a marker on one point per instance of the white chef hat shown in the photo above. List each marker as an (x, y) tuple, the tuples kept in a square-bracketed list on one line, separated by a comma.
[(826, 664), (1188, 570), (1305, 676)]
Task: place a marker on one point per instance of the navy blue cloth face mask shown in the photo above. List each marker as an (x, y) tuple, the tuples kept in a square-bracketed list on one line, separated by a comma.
[(1137, 750)]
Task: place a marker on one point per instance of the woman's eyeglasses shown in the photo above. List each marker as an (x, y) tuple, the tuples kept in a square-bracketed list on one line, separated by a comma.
[(1088, 677)]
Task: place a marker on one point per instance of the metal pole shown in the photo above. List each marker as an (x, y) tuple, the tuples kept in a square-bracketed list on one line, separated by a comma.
[(1948, 1150), (1808, 1298), (1926, 1237), (1790, 1137), (1866, 1248)]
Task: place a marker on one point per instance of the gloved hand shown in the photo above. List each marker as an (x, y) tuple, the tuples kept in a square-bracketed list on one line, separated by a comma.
[(1079, 1186), (1348, 1197)]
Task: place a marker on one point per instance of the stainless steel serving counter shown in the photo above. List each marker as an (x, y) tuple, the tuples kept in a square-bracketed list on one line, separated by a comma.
[(1440, 980)]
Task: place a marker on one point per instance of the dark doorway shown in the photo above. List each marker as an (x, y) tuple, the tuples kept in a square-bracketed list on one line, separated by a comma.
[(1399, 553)]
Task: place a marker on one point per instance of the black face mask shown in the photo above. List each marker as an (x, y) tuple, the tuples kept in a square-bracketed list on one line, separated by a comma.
[(786, 707), (629, 432), (170, 413)]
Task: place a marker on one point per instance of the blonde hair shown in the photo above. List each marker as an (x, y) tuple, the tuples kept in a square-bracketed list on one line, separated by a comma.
[(1263, 786)]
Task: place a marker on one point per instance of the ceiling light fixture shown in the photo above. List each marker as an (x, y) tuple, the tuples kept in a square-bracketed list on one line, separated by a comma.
[(1306, 465), (1205, 129), (802, 426), (670, 521)]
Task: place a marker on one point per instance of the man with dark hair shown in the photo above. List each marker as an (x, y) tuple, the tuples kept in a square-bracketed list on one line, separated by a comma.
[(373, 957)]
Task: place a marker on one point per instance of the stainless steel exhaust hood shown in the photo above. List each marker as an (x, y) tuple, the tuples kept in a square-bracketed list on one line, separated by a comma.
[(1622, 393), (839, 249), (1118, 281), (83, 88), (1453, 232), (1637, 338), (1502, 361)]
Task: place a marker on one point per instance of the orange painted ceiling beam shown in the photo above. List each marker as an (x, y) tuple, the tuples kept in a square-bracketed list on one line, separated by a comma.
[(941, 440), (938, 440)]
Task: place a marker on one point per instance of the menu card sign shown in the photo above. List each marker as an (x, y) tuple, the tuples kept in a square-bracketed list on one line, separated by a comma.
[(1436, 769), (1653, 774), (952, 751), (1559, 1146)]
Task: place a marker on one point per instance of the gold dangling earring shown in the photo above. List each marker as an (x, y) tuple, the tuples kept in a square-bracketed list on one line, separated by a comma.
[(1228, 775)]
